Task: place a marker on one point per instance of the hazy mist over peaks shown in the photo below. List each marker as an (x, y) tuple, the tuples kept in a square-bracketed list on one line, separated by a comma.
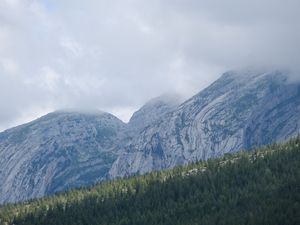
[(115, 55)]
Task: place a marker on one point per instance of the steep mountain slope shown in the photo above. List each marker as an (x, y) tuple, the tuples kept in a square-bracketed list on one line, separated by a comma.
[(152, 111), (240, 110), (259, 187), (58, 151)]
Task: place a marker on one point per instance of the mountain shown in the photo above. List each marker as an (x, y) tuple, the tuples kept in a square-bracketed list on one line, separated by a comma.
[(65, 149), (152, 111), (56, 152), (241, 110), (257, 187)]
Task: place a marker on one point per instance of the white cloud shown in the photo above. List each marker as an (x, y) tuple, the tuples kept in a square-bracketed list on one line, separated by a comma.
[(72, 46), (9, 66), (114, 55), (11, 3)]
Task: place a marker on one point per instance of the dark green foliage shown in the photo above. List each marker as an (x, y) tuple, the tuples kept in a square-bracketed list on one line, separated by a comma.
[(260, 187)]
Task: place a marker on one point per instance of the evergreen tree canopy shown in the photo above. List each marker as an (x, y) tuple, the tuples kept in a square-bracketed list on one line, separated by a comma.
[(258, 187)]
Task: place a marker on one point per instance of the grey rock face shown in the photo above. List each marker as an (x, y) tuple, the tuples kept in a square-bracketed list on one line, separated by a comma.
[(236, 112), (151, 112), (56, 152), (61, 150)]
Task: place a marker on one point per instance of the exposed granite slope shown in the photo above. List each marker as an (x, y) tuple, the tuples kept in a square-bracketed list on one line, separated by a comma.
[(238, 111)]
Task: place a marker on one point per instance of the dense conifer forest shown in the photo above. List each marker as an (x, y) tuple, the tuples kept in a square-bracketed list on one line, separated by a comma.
[(257, 187)]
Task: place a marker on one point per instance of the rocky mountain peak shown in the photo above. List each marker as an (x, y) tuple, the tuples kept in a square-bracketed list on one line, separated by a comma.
[(58, 151), (224, 117), (71, 148), (152, 111)]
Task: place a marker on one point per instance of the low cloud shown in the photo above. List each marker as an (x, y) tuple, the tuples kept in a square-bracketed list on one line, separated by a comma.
[(115, 55)]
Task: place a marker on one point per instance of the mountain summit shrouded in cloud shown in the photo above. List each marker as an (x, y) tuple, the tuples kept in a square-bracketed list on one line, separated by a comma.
[(68, 149), (114, 55)]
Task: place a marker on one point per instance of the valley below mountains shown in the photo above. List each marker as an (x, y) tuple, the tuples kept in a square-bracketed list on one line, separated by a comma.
[(68, 149)]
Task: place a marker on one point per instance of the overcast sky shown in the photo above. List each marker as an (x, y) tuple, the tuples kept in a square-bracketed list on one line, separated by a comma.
[(115, 55)]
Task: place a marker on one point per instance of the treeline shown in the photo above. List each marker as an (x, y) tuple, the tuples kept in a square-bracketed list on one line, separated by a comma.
[(258, 187)]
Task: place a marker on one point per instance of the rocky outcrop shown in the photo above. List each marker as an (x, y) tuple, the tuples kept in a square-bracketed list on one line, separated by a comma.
[(151, 112), (238, 111), (59, 151)]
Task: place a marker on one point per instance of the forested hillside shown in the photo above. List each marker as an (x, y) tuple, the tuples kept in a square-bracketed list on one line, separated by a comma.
[(73, 148), (258, 187)]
